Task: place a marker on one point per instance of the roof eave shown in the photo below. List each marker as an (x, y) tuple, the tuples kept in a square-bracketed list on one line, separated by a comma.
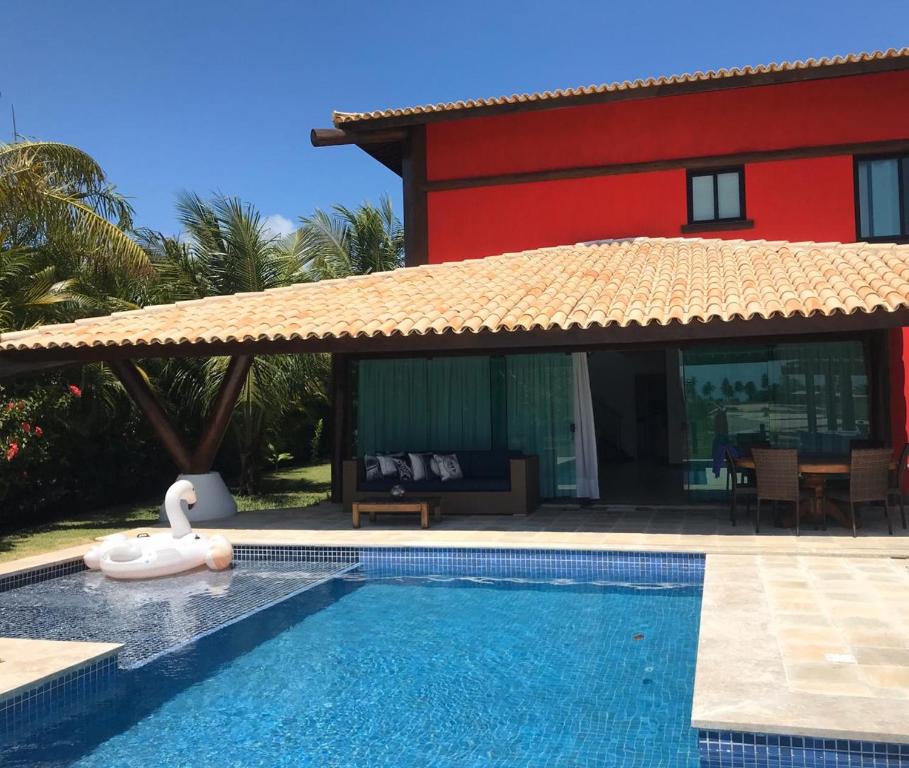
[(366, 123), (386, 146), (19, 362)]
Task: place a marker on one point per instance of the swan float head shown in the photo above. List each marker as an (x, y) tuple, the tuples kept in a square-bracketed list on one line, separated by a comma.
[(181, 491)]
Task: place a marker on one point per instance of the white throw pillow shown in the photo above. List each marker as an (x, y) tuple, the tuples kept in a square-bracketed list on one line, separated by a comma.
[(449, 466), (387, 465), (418, 465)]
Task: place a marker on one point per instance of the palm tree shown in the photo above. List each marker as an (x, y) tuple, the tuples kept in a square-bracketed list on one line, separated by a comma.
[(65, 248), (349, 242), (48, 188), (226, 249)]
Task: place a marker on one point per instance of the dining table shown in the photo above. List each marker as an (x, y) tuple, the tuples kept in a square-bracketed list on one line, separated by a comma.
[(816, 470)]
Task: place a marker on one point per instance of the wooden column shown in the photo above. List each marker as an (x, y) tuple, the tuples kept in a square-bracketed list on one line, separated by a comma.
[(142, 395), (416, 220), (340, 422), (219, 417)]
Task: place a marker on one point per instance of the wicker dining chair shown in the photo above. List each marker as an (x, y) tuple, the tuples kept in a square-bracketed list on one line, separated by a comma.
[(896, 489), (737, 489), (777, 473), (869, 481)]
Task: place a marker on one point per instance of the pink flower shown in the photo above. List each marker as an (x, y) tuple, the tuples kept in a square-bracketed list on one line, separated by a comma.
[(12, 451), (26, 427), (10, 405), (75, 391), (39, 432)]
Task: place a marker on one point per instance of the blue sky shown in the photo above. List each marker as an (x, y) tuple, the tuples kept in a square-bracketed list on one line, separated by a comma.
[(220, 96)]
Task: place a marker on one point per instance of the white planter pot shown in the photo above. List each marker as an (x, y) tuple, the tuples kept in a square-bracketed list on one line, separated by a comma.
[(214, 500)]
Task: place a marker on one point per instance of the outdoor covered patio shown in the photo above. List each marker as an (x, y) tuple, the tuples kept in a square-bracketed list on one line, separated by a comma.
[(684, 343)]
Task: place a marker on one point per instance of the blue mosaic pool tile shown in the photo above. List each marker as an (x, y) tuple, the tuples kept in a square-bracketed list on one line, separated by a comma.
[(58, 696), (35, 575), (505, 562), (276, 553), (582, 565), (157, 616), (735, 749)]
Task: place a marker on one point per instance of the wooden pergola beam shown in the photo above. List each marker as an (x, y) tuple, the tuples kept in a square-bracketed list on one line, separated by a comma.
[(335, 137), (219, 417), (142, 395)]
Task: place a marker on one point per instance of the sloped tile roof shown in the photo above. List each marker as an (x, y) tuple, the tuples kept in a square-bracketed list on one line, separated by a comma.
[(623, 283), (342, 118)]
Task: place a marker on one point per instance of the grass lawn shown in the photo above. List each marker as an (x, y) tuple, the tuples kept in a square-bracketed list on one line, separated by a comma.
[(295, 487)]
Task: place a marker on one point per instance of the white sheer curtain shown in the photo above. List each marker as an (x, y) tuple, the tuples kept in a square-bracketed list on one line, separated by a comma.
[(585, 439)]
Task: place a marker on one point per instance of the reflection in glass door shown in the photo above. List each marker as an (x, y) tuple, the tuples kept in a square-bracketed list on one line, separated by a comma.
[(809, 396)]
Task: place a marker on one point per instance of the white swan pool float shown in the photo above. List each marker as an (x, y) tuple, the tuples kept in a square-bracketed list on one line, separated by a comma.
[(162, 554)]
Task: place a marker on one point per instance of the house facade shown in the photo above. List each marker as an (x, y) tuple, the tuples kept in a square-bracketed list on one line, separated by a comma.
[(811, 151), (605, 288)]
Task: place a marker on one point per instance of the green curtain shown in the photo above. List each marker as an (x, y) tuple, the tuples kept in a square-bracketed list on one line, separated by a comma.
[(421, 404), (472, 403), (392, 405), (459, 414), (540, 397)]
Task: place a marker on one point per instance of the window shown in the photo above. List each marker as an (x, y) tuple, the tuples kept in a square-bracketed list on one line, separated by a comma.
[(882, 203), (716, 195)]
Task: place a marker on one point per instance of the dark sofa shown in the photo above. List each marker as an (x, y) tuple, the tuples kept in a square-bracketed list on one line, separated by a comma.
[(494, 483)]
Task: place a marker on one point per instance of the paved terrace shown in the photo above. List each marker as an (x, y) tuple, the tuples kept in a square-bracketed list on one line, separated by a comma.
[(806, 635), (652, 529)]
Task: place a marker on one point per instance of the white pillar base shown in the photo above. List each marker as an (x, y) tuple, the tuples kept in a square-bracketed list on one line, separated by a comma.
[(214, 500)]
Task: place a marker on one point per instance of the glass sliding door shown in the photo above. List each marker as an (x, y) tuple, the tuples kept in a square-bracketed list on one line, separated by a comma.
[(810, 396)]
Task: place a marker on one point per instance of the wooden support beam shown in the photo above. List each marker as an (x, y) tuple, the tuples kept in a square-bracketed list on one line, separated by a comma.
[(144, 398), (219, 417), (340, 423), (416, 217), (335, 137)]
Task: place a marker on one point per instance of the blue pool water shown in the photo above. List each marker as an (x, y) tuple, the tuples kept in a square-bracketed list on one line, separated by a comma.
[(409, 672)]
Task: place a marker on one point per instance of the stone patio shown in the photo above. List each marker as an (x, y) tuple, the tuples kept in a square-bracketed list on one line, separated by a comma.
[(800, 645), (652, 529)]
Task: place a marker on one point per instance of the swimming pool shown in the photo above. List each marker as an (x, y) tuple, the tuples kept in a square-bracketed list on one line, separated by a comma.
[(368, 670)]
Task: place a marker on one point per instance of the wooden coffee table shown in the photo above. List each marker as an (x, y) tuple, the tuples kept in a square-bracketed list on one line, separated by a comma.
[(406, 505)]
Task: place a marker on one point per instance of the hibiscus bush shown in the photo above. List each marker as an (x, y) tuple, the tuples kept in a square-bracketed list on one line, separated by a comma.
[(62, 449), (23, 440)]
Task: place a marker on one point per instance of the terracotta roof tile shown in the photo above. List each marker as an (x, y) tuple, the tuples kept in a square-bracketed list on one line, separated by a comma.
[(623, 282), (343, 118)]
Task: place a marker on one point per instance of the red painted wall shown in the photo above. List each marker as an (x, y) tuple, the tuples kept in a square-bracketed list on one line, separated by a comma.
[(788, 200), (821, 112), (811, 199)]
